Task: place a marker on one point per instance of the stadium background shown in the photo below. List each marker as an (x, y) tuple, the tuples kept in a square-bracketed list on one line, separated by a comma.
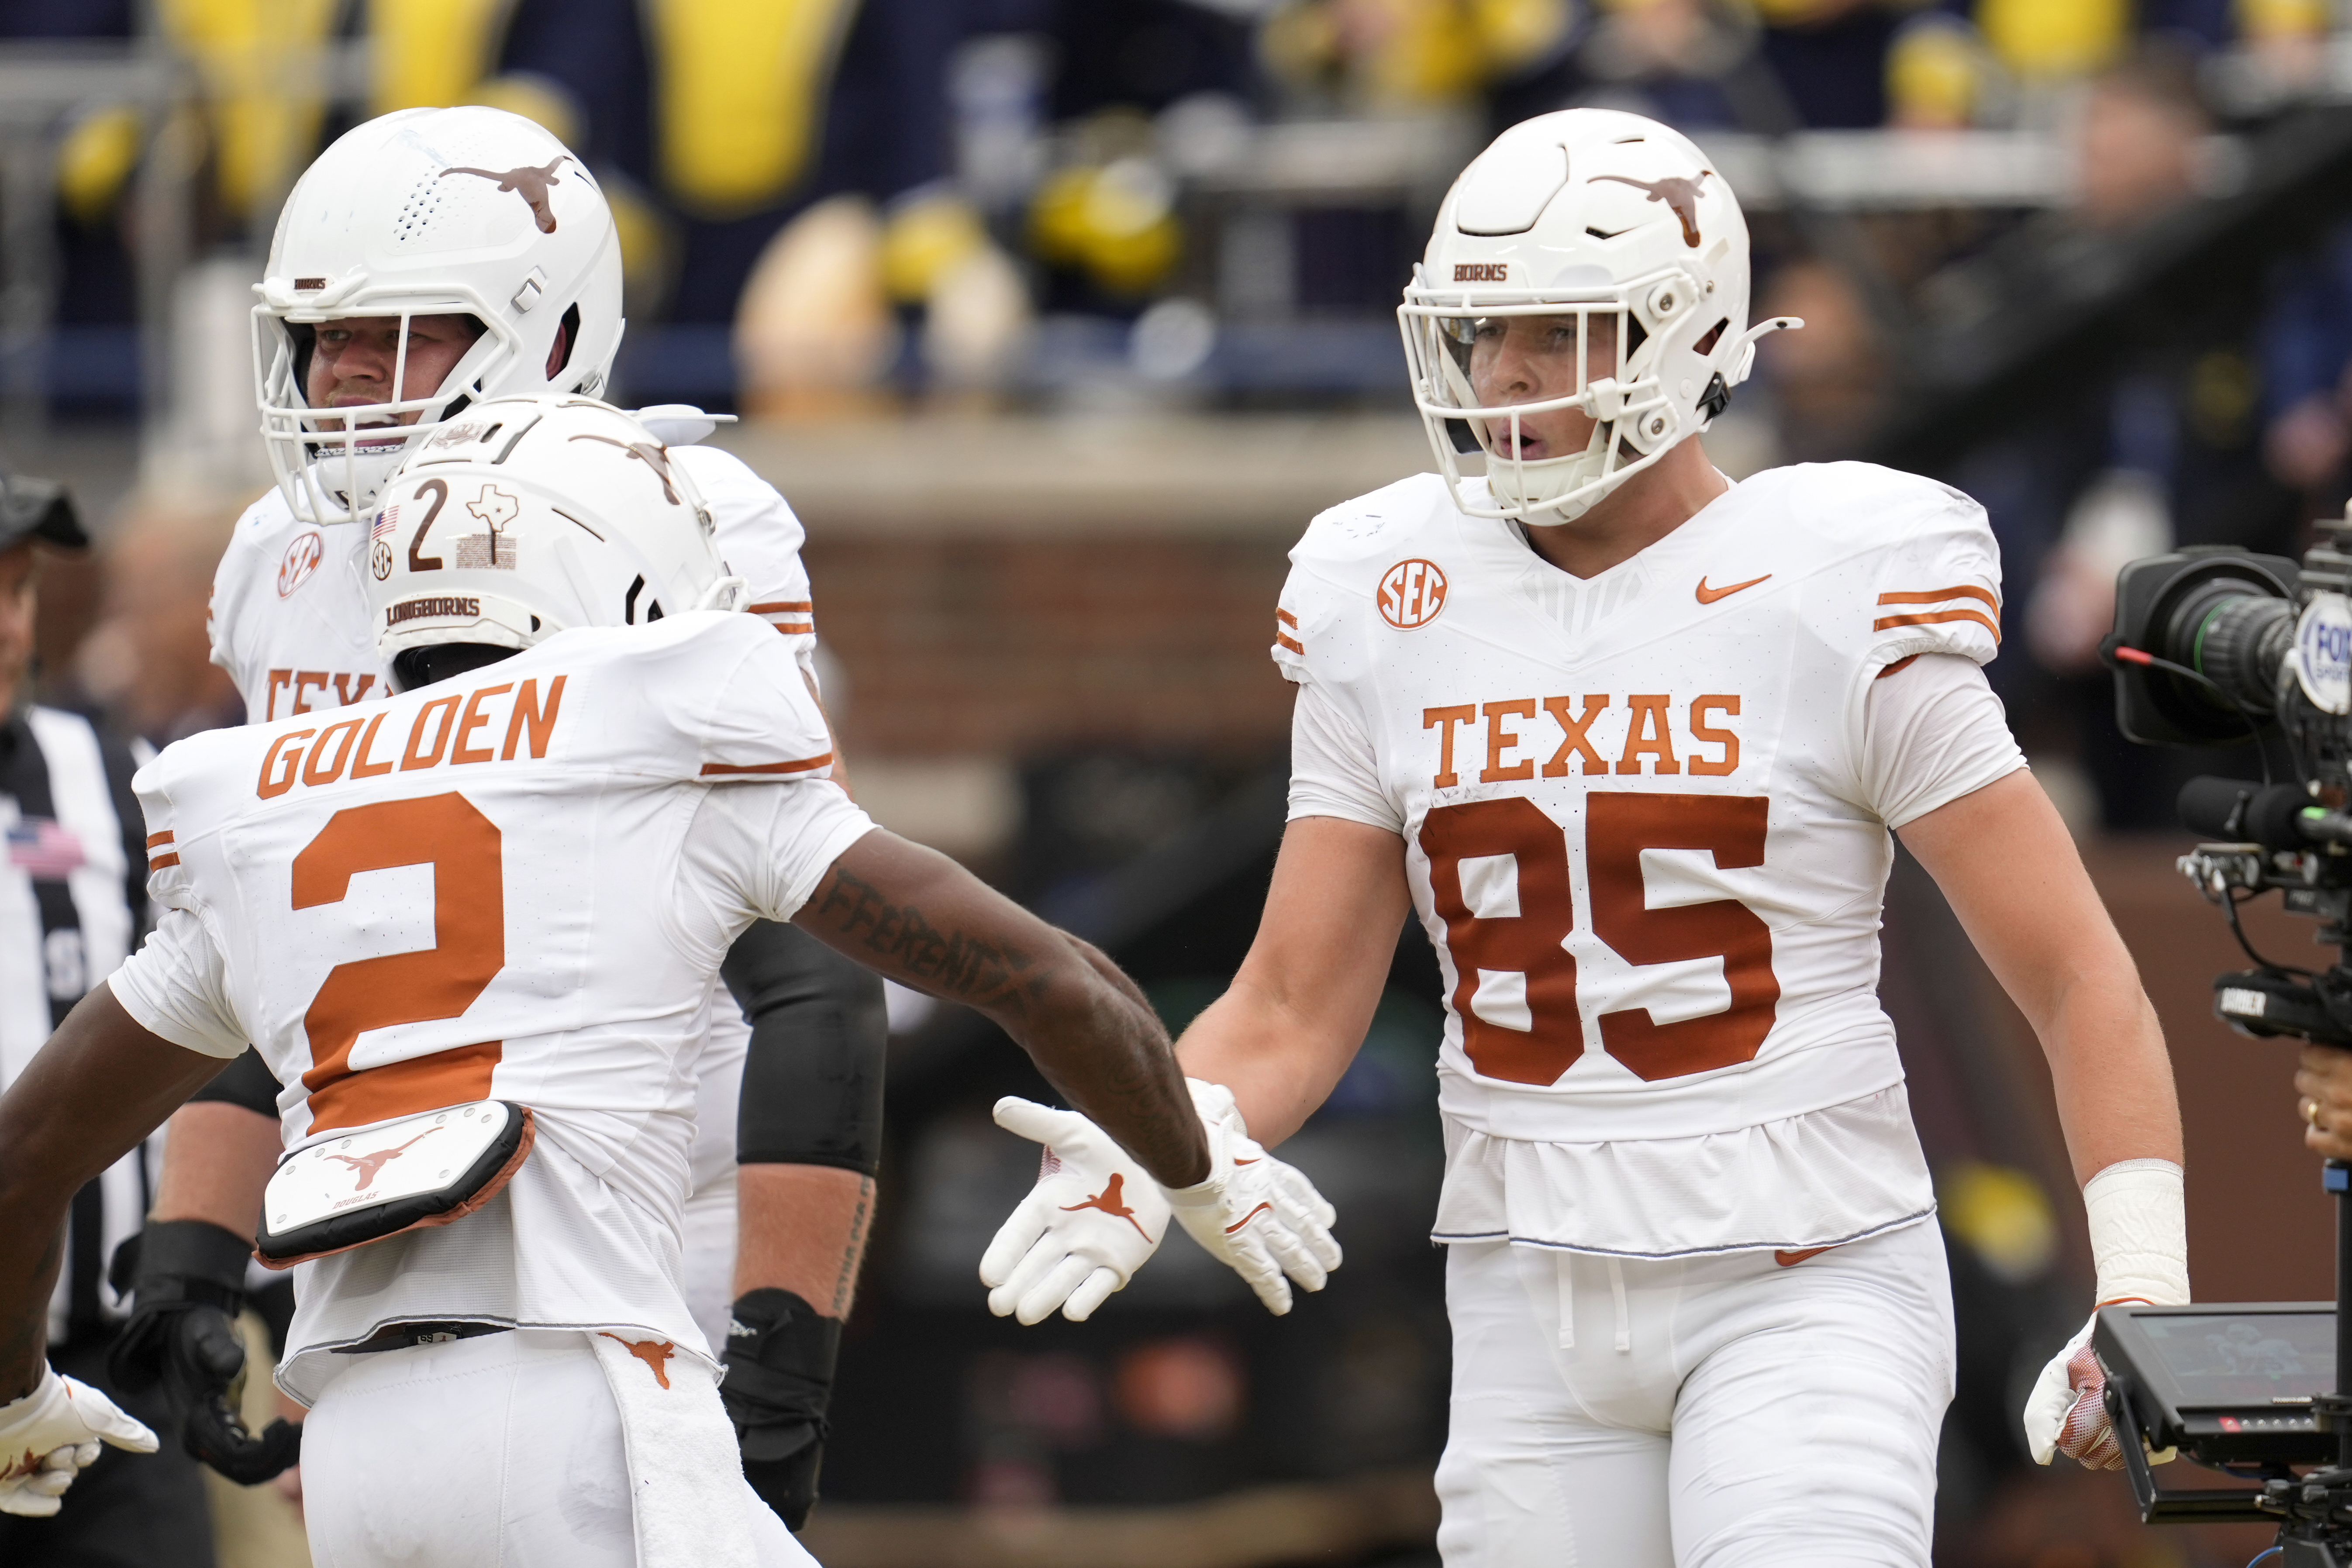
[(1057, 320)]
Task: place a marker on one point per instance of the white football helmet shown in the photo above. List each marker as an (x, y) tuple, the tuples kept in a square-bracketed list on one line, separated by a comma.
[(527, 516), (1588, 213), (429, 211)]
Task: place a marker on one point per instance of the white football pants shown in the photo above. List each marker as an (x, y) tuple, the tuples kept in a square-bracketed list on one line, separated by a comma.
[(502, 1451), (1695, 1412)]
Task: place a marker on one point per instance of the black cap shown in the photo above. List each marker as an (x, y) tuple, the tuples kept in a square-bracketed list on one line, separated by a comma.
[(38, 509)]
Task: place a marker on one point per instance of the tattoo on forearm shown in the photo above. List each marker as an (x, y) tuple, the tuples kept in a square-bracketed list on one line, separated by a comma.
[(1086, 1025), (954, 964), (854, 1253)]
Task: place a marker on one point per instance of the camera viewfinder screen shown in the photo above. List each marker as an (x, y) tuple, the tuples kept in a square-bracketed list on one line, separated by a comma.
[(2231, 1359)]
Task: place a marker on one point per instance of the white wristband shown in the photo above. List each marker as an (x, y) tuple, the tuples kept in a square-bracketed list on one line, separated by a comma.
[(2139, 1232)]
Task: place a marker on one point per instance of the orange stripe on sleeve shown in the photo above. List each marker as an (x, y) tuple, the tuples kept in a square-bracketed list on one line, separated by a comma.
[(1887, 623), (155, 838), (1286, 618), (160, 862), (784, 607), (799, 765), (1966, 591), (1284, 640)]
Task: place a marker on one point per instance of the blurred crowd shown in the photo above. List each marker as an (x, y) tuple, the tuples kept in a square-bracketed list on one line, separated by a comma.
[(851, 206)]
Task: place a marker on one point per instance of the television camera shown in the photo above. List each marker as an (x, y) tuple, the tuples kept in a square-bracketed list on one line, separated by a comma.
[(2215, 646)]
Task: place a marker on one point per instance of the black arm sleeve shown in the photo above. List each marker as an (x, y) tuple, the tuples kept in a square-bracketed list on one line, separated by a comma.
[(246, 1082), (812, 1077)]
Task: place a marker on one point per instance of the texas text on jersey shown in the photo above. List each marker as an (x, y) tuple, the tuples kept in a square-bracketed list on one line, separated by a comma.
[(1640, 838), (290, 613), (421, 904)]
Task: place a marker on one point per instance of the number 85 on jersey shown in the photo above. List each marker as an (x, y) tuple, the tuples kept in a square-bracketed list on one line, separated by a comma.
[(1499, 882)]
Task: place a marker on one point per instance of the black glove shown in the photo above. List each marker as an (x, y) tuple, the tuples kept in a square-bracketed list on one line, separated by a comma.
[(780, 1356), (187, 1280)]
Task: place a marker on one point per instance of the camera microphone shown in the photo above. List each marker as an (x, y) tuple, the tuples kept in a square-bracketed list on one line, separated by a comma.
[(2276, 817)]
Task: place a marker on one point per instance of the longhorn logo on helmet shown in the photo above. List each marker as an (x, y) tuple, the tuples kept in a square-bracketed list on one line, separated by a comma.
[(529, 182), (1677, 193)]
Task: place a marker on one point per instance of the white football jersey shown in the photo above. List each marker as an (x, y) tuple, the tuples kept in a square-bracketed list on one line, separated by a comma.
[(518, 885), (291, 621), (1641, 833)]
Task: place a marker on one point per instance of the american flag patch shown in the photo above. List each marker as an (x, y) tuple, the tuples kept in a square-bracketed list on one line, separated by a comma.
[(43, 850), (386, 522)]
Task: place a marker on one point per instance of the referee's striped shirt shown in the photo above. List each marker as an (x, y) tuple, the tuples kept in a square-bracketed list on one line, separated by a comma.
[(72, 902)]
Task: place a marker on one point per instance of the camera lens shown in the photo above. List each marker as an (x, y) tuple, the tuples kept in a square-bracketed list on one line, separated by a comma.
[(2235, 633)]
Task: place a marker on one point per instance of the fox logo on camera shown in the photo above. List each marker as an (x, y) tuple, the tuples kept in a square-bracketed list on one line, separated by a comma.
[(2323, 652)]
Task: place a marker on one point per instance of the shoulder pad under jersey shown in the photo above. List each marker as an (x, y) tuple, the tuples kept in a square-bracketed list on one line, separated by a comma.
[(256, 548), (1338, 564), (705, 695), (192, 788), (1920, 571), (758, 535)]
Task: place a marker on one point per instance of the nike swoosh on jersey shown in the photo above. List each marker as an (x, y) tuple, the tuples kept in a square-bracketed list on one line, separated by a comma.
[(1707, 596)]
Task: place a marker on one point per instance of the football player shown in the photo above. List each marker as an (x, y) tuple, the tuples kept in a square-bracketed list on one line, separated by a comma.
[(1631, 740), (475, 930), (427, 260)]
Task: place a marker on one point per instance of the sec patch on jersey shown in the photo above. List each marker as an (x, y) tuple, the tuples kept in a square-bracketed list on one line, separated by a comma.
[(302, 558), (1412, 592)]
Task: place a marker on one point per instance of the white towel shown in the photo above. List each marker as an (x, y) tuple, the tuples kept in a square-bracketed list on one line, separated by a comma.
[(684, 1471)]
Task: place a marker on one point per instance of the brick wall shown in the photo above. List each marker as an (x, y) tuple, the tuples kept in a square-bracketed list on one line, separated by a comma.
[(1021, 646), (1015, 586)]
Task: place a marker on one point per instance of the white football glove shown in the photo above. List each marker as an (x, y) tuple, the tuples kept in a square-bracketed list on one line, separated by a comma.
[(2067, 1411), (2139, 1241), (1255, 1215), (1093, 1218), (53, 1434)]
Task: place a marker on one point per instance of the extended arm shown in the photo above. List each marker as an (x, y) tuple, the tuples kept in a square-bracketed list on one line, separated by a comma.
[(2031, 913), (101, 1085), (808, 1142), (187, 1271), (809, 1133), (1295, 1016), (917, 917)]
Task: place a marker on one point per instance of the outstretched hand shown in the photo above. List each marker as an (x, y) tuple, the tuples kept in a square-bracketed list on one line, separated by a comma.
[(1257, 1214), (1093, 1219), (52, 1435)]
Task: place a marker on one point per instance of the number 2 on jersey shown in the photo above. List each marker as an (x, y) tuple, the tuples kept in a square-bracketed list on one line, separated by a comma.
[(1527, 940), (469, 947)]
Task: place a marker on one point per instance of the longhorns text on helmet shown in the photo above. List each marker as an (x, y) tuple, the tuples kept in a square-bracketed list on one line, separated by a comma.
[(470, 211), (526, 516), (1620, 223)]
